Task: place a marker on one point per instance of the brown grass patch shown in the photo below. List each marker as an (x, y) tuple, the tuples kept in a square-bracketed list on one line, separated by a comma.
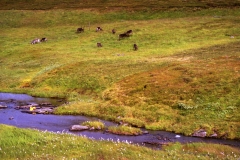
[(183, 78)]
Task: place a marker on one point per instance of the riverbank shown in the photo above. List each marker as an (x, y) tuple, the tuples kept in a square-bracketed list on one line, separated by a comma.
[(33, 144), (162, 86), (14, 116), (183, 78)]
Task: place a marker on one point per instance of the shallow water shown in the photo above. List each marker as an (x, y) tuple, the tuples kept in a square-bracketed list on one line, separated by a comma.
[(60, 123)]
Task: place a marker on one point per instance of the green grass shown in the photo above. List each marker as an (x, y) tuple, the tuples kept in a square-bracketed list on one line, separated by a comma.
[(186, 68), (94, 124), (16, 143), (124, 130)]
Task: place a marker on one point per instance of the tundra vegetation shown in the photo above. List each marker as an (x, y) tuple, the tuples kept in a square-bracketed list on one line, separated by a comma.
[(17, 143), (185, 75), (94, 124), (124, 130)]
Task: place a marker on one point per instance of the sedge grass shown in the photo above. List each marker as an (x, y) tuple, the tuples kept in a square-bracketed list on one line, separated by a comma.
[(124, 130), (94, 124)]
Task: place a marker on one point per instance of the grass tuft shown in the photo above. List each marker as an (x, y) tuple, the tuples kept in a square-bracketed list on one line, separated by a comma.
[(94, 124), (124, 130)]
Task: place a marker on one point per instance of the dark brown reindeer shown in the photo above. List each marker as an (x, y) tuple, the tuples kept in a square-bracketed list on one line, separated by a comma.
[(113, 31), (79, 30), (135, 47), (129, 32), (126, 34), (123, 35), (99, 44)]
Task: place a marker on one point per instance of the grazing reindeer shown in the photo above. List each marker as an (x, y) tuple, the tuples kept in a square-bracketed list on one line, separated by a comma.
[(113, 31), (135, 47), (126, 34), (99, 44), (79, 30), (99, 29), (120, 36), (35, 41), (129, 32), (43, 39)]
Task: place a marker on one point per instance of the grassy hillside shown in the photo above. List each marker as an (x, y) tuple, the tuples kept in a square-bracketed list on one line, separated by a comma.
[(186, 68), (18, 143)]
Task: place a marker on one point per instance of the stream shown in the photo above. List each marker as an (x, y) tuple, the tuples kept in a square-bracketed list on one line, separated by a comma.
[(62, 123)]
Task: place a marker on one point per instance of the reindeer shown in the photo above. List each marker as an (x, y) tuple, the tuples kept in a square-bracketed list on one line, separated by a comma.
[(99, 29), (126, 34), (129, 32), (123, 35), (99, 44), (135, 47), (35, 41), (113, 31), (79, 30)]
